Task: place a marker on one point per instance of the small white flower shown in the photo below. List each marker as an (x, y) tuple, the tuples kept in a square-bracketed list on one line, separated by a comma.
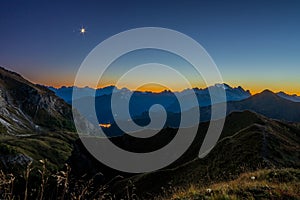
[(208, 190), (252, 177)]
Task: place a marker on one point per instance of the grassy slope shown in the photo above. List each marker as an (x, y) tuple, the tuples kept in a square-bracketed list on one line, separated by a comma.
[(55, 147), (267, 184)]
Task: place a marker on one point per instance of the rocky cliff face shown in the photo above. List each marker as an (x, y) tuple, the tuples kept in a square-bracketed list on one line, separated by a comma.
[(26, 108), (34, 124)]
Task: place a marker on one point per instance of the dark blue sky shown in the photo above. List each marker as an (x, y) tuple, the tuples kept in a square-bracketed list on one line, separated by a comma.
[(255, 44)]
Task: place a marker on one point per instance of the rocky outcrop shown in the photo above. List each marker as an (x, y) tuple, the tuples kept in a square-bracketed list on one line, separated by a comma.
[(13, 160), (28, 108)]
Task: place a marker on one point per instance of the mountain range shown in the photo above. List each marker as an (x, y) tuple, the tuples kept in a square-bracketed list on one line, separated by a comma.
[(261, 131), (140, 102), (266, 103), (233, 94)]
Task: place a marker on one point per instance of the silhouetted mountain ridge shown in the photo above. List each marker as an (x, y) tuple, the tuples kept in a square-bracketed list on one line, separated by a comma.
[(293, 97), (65, 93), (277, 106), (140, 102), (269, 104)]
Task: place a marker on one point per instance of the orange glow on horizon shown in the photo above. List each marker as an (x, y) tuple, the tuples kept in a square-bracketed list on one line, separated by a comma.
[(152, 88), (260, 86), (156, 89), (254, 88)]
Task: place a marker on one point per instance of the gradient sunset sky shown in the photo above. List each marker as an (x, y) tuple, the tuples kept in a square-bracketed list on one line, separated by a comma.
[(255, 44)]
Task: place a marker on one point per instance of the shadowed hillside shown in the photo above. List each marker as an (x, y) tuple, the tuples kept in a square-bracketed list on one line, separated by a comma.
[(249, 142)]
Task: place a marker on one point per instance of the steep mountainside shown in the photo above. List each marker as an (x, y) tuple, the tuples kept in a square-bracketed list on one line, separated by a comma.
[(34, 123), (26, 108)]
